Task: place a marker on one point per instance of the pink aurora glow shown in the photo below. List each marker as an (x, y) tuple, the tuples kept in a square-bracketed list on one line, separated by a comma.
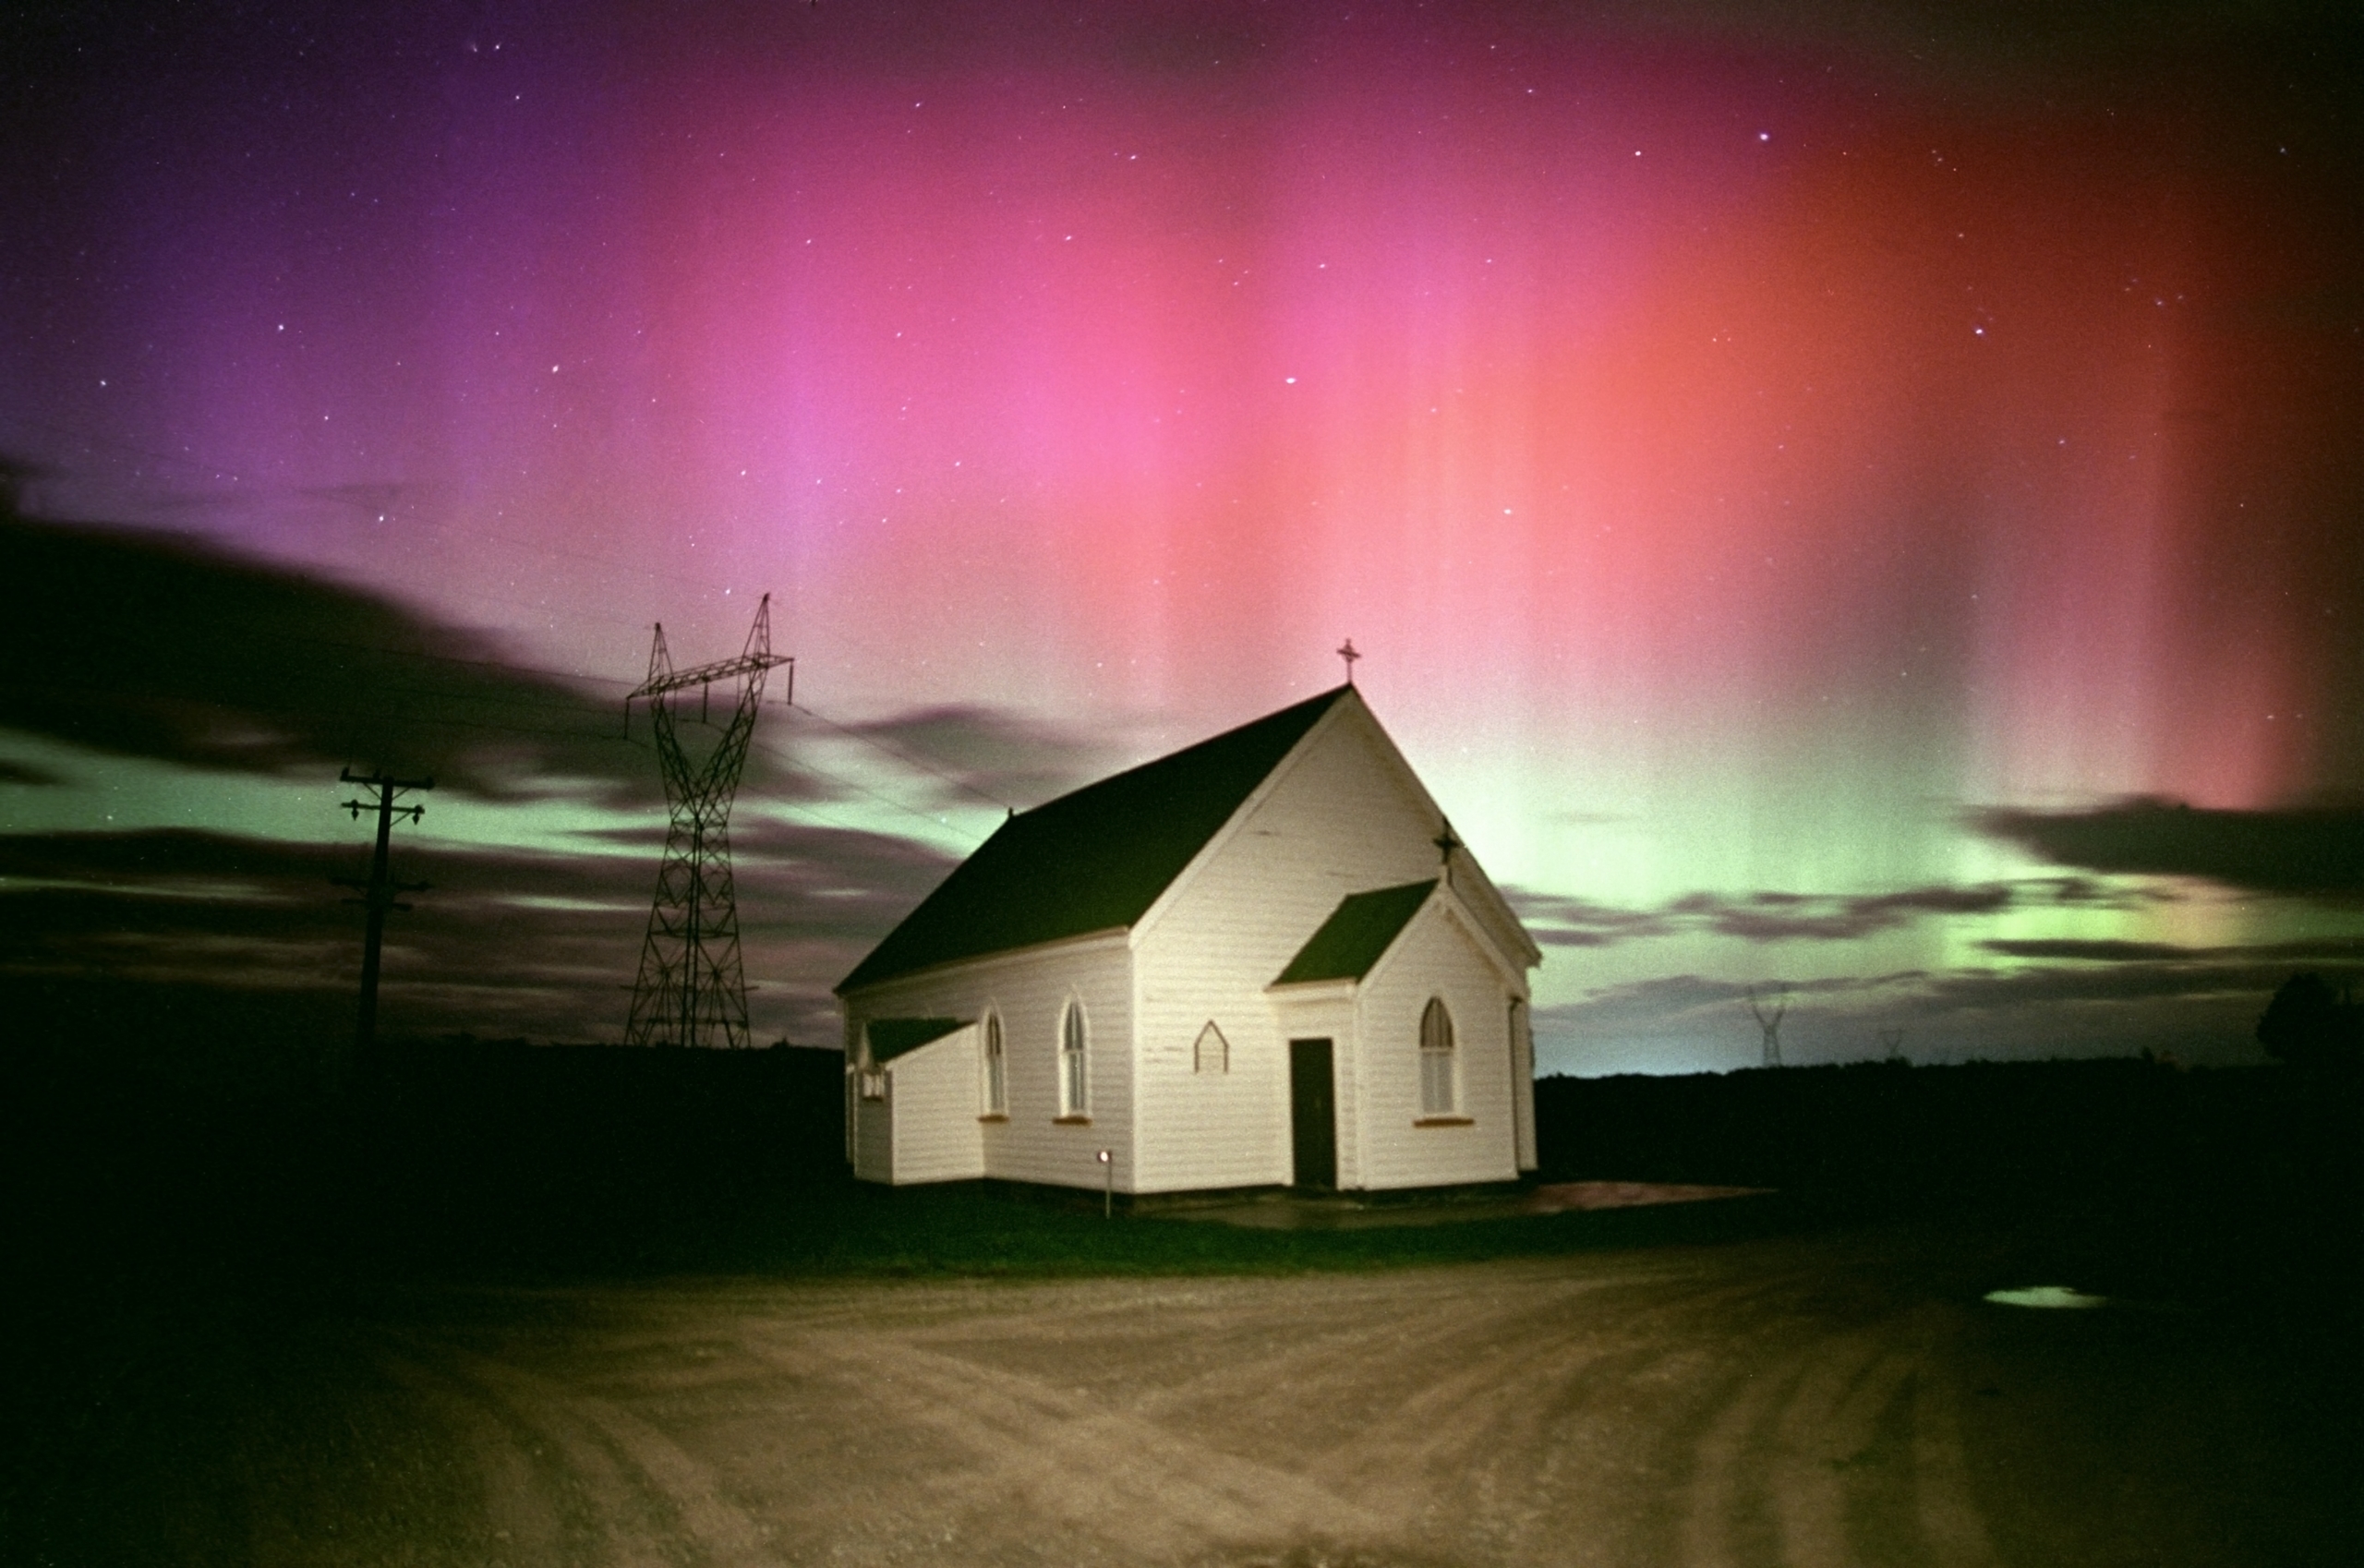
[(1661, 412)]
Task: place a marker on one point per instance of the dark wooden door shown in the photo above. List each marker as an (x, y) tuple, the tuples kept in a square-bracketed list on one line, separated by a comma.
[(1313, 1114)]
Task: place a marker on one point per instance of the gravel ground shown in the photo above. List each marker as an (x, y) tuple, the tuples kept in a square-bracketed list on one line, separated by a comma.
[(1823, 1401)]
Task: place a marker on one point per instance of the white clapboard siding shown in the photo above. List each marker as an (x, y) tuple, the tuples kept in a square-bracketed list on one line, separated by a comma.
[(1341, 814), (1029, 988), (1437, 955), (1523, 1083), (873, 1135), (933, 1100)]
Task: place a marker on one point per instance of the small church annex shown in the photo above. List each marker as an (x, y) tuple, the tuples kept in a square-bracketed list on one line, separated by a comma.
[(1262, 960)]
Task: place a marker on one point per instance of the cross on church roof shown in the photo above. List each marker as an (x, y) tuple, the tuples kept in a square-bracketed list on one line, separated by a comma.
[(1445, 841), (1346, 651)]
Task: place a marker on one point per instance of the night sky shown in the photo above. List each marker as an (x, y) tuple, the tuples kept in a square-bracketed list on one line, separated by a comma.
[(1871, 501)]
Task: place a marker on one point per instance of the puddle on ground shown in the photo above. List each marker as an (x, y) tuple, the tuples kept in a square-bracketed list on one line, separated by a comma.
[(2046, 1295)]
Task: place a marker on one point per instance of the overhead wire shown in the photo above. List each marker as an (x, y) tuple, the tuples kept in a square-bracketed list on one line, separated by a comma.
[(897, 753)]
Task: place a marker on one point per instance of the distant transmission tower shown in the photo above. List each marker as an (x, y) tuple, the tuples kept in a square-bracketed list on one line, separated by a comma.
[(1771, 1024), (691, 988)]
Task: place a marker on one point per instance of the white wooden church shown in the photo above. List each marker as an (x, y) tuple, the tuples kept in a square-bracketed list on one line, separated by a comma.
[(1263, 960)]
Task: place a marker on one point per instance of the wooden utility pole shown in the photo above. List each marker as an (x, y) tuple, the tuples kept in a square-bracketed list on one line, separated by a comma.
[(378, 893)]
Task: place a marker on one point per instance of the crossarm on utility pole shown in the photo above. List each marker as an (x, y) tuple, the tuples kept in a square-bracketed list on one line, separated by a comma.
[(378, 893)]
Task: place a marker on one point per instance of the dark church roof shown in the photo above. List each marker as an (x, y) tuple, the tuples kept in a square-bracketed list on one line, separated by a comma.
[(1362, 927), (1091, 860), (891, 1038)]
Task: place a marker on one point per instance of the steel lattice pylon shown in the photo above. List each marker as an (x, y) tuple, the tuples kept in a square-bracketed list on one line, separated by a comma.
[(691, 988)]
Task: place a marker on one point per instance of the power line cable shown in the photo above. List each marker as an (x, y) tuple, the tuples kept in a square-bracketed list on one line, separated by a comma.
[(888, 800), (905, 757)]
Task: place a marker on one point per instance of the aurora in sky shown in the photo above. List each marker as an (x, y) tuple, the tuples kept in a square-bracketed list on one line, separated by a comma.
[(1871, 501)]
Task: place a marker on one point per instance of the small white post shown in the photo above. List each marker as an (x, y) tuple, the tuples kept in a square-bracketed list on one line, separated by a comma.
[(1108, 1188)]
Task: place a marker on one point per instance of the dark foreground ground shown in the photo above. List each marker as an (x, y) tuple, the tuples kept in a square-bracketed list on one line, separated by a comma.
[(1826, 1399), (605, 1307)]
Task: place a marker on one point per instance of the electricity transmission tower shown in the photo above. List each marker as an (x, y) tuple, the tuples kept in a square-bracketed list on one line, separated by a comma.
[(1771, 1024), (691, 988), (378, 893)]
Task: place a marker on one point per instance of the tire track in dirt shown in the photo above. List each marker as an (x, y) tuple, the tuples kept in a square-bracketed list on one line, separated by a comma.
[(642, 1489), (518, 1492), (1075, 1461), (1785, 1462), (1953, 1531)]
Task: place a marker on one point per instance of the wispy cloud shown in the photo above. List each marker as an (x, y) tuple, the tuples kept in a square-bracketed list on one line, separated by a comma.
[(2312, 851), (1769, 916), (1558, 922), (1789, 917)]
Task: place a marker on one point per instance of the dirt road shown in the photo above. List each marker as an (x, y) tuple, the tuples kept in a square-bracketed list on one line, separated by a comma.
[(1823, 1401)]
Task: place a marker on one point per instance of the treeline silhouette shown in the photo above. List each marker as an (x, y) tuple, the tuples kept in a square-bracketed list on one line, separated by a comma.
[(140, 1120), (1909, 1135)]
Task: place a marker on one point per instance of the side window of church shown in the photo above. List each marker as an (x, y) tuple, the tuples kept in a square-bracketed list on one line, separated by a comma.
[(1075, 1097), (1436, 1059), (1213, 1052), (997, 1072)]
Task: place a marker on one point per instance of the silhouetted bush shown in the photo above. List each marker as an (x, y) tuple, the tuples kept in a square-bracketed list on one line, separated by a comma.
[(2307, 1026)]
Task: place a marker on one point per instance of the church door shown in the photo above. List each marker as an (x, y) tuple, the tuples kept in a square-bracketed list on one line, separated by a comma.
[(1313, 1114)]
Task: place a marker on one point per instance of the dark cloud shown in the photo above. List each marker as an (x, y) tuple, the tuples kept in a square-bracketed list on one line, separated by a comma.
[(501, 942), (2099, 951), (152, 645), (1557, 921), (2310, 851), (1789, 917), (2314, 949), (2085, 893)]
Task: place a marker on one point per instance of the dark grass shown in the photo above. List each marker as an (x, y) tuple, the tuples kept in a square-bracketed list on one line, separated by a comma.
[(465, 1159), (187, 1210)]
